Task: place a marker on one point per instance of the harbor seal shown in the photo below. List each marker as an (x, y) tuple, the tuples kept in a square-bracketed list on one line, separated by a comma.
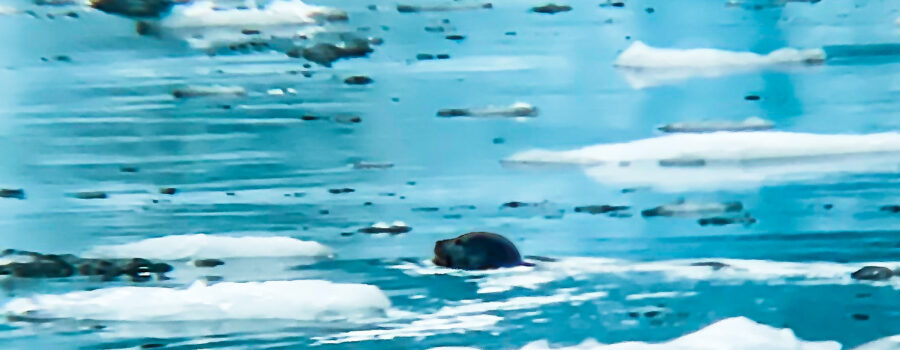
[(477, 251)]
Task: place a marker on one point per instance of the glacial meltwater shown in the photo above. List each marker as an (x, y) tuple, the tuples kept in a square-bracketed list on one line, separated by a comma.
[(275, 174)]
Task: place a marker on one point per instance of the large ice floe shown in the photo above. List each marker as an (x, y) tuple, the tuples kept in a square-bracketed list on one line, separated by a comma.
[(887, 343), (292, 300), (737, 333), (644, 65), (204, 25), (640, 55), (278, 12), (177, 247), (726, 159)]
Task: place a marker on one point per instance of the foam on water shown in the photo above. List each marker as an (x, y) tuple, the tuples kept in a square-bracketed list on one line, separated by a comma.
[(737, 333), (195, 246), (293, 300), (728, 158), (735, 271), (660, 295), (416, 329), (465, 315)]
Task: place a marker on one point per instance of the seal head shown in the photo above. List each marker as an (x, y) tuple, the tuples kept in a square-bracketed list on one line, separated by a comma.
[(476, 251)]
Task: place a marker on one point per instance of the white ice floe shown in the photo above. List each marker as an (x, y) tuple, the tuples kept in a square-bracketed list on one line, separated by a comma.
[(281, 92), (888, 343), (737, 333), (749, 124), (382, 224), (205, 26), (518, 109), (293, 300), (745, 146), (196, 246), (722, 271), (714, 160), (278, 12), (645, 65), (640, 55)]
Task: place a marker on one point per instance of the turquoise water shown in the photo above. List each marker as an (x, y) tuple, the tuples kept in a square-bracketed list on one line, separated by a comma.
[(70, 126)]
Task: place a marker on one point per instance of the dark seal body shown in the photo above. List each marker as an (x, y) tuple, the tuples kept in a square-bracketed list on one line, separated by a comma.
[(873, 273), (476, 251), (137, 8)]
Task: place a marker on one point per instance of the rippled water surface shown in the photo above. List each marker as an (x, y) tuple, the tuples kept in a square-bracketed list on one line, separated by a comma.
[(251, 165)]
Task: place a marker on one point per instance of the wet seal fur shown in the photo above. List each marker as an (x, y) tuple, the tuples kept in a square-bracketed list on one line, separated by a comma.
[(477, 251)]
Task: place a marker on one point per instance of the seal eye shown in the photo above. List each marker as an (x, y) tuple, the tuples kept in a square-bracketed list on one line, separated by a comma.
[(457, 241)]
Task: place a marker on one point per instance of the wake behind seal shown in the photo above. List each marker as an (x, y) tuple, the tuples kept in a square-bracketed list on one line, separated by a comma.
[(477, 251)]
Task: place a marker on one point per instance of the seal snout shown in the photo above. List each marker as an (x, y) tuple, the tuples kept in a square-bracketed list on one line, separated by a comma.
[(440, 254)]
